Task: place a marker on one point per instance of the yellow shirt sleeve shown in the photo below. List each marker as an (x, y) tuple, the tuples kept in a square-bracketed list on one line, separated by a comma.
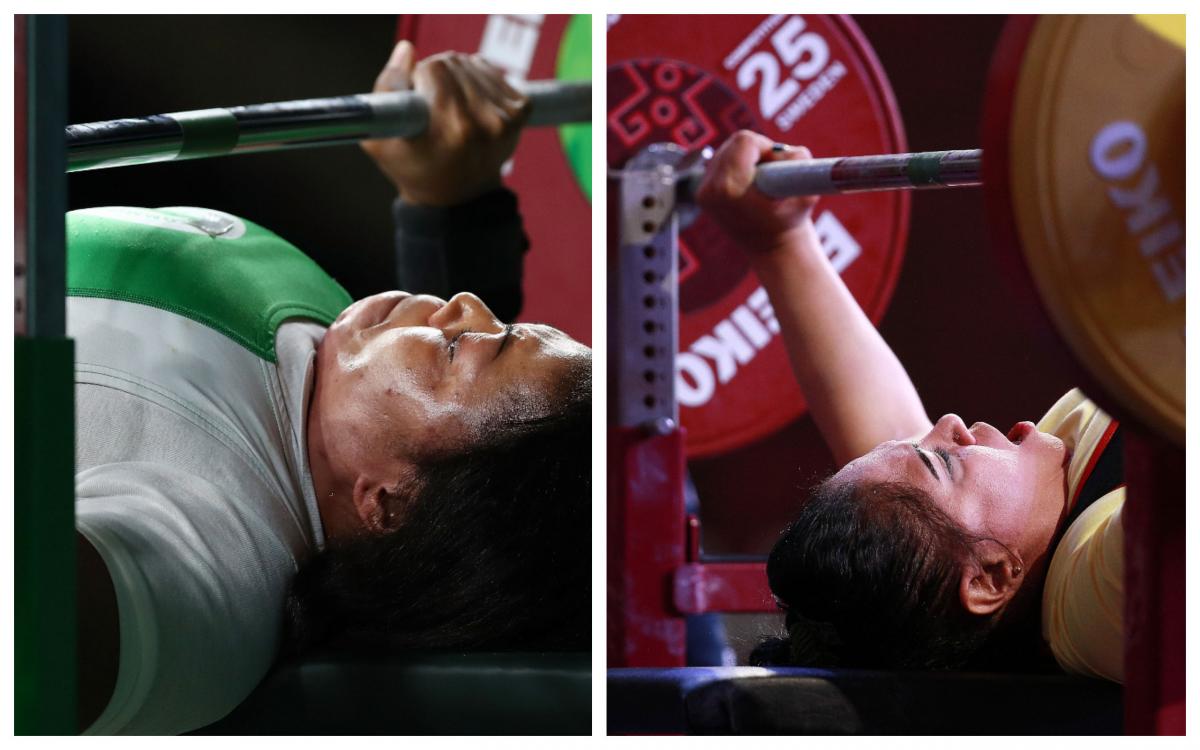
[(1083, 603)]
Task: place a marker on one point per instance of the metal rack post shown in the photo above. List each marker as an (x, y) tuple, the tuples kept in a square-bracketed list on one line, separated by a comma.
[(44, 514)]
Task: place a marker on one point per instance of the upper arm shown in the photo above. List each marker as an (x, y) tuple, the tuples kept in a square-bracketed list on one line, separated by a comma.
[(199, 581), (98, 634), (916, 437), (845, 453)]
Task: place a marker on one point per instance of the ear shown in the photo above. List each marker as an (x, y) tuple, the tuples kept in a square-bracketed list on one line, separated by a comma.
[(991, 580), (377, 506)]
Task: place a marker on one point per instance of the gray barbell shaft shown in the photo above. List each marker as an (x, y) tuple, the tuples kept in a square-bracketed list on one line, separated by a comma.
[(284, 125), (854, 174)]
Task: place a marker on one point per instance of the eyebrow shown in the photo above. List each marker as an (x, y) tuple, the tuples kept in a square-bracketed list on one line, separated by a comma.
[(925, 460), (504, 341)]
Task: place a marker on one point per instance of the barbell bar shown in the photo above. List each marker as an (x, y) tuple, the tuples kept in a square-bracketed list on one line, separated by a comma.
[(856, 174), (924, 170), (287, 125)]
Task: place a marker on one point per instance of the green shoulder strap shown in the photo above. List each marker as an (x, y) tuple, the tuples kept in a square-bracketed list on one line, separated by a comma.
[(227, 273)]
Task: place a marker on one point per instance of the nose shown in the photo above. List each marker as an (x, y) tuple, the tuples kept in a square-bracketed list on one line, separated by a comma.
[(952, 429), (465, 311)]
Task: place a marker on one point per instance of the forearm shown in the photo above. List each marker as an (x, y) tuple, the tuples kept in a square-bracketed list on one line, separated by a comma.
[(477, 246), (857, 390)]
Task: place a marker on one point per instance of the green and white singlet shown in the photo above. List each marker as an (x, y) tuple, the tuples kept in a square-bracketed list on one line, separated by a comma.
[(195, 335)]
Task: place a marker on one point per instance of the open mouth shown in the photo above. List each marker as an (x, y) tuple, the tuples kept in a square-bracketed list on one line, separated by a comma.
[(1020, 431)]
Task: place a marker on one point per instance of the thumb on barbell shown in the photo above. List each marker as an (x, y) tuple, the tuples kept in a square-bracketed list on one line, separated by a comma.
[(731, 172), (397, 73), (786, 152)]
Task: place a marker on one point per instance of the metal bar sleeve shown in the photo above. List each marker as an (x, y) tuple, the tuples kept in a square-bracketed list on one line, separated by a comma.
[(855, 174), (280, 125)]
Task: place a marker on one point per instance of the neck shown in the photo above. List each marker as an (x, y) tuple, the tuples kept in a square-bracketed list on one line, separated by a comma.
[(1024, 611), (318, 459), (1037, 547), (324, 479)]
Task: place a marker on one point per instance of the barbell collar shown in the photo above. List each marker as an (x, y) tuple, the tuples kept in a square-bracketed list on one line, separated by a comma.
[(286, 125), (856, 174)]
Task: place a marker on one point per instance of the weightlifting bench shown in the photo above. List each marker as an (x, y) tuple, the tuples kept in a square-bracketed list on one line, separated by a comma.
[(412, 694)]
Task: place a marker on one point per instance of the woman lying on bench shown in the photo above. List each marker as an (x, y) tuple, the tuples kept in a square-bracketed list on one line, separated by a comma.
[(937, 544)]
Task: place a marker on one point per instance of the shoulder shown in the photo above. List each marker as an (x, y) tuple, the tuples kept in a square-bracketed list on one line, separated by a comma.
[(1083, 599), (199, 584), (215, 268), (1072, 405)]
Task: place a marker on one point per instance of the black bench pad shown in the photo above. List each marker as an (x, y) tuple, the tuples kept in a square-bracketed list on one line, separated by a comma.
[(420, 694), (750, 700)]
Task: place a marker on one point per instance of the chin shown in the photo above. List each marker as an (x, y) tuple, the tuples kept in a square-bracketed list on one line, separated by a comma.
[(1046, 456), (1058, 449)]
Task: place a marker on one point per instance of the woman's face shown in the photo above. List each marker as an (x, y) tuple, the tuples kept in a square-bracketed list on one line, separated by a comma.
[(1007, 487), (413, 376)]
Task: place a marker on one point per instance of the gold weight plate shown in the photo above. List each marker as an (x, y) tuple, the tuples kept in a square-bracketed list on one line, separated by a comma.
[(1097, 175)]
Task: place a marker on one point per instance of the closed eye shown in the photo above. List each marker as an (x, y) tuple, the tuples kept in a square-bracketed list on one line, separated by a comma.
[(453, 344), (943, 454)]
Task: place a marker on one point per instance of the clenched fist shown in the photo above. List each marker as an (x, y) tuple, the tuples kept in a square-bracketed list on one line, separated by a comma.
[(474, 121), (728, 195)]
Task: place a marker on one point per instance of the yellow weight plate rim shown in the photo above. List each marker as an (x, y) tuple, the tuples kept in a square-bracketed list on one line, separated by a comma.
[(1080, 74), (1172, 28)]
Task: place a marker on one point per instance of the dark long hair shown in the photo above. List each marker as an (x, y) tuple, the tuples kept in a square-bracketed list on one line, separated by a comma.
[(868, 576), (494, 553)]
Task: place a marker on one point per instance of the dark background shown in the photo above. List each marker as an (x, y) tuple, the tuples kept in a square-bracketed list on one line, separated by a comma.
[(959, 321), (331, 202)]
